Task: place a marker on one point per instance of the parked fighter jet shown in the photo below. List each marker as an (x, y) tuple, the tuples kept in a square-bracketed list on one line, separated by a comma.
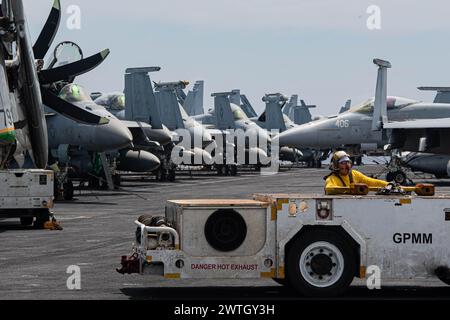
[(229, 116), (116, 136), (360, 129), (162, 110), (274, 119)]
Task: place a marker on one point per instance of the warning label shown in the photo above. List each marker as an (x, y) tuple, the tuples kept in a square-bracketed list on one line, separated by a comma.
[(224, 266)]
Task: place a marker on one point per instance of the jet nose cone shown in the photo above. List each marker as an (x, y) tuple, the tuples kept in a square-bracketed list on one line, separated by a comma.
[(300, 137), (113, 136)]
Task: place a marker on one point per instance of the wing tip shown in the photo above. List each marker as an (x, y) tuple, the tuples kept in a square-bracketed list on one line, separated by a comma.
[(57, 4)]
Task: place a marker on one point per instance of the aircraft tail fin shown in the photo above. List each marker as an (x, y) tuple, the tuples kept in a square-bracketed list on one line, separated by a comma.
[(273, 114), (246, 106), (293, 102), (346, 107), (181, 96), (380, 104), (222, 109), (168, 105), (140, 103), (442, 93), (194, 99), (235, 97), (301, 113)]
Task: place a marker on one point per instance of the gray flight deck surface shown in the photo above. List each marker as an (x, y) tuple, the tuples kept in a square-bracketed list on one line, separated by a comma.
[(99, 228)]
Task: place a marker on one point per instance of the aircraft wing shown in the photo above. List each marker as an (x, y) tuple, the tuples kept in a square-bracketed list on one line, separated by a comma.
[(214, 131), (135, 124), (419, 124)]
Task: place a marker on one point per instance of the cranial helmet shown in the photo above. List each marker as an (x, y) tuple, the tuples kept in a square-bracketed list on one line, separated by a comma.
[(339, 156)]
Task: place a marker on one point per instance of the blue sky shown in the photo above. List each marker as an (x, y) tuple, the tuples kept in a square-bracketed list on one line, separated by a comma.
[(319, 49)]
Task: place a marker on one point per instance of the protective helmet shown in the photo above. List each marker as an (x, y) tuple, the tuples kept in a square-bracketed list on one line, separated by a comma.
[(339, 156)]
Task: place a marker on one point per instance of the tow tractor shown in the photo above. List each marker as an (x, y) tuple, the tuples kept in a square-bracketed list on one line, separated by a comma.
[(316, 244)]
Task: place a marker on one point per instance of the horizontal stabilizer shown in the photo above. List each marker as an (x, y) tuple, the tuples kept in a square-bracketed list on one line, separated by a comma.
[(307, 106), (143, 70), (440, 89), (442, 95)]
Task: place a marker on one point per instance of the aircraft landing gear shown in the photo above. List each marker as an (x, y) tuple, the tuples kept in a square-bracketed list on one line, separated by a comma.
[(318, 163), (67, 192), (164, 174), (314, 163), (397, 176), (226, 170), (171, 175), (63, 190)]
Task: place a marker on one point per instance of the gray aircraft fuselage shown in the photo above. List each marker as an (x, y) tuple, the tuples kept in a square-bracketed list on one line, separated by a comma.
[(111, 136), (354, 127)]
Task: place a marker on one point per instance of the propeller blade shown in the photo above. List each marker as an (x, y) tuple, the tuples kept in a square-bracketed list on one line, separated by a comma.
[(29, 89), (69, 71), (48, 33), (69, 110)]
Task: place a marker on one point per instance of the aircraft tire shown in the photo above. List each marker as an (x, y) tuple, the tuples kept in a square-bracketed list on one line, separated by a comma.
[(400, 177), (26, 221), (43, 215)]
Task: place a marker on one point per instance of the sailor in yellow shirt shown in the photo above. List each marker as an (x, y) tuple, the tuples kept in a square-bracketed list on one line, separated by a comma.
[(342, 174)]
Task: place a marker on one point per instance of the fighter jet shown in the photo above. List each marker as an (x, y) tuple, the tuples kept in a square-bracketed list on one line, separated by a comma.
[(360, 129), (228, 116), (161, 109), (274, 119), (116, 136)]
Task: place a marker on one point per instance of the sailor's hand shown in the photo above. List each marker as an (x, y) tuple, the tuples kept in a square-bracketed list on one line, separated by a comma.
[(392, 185)]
